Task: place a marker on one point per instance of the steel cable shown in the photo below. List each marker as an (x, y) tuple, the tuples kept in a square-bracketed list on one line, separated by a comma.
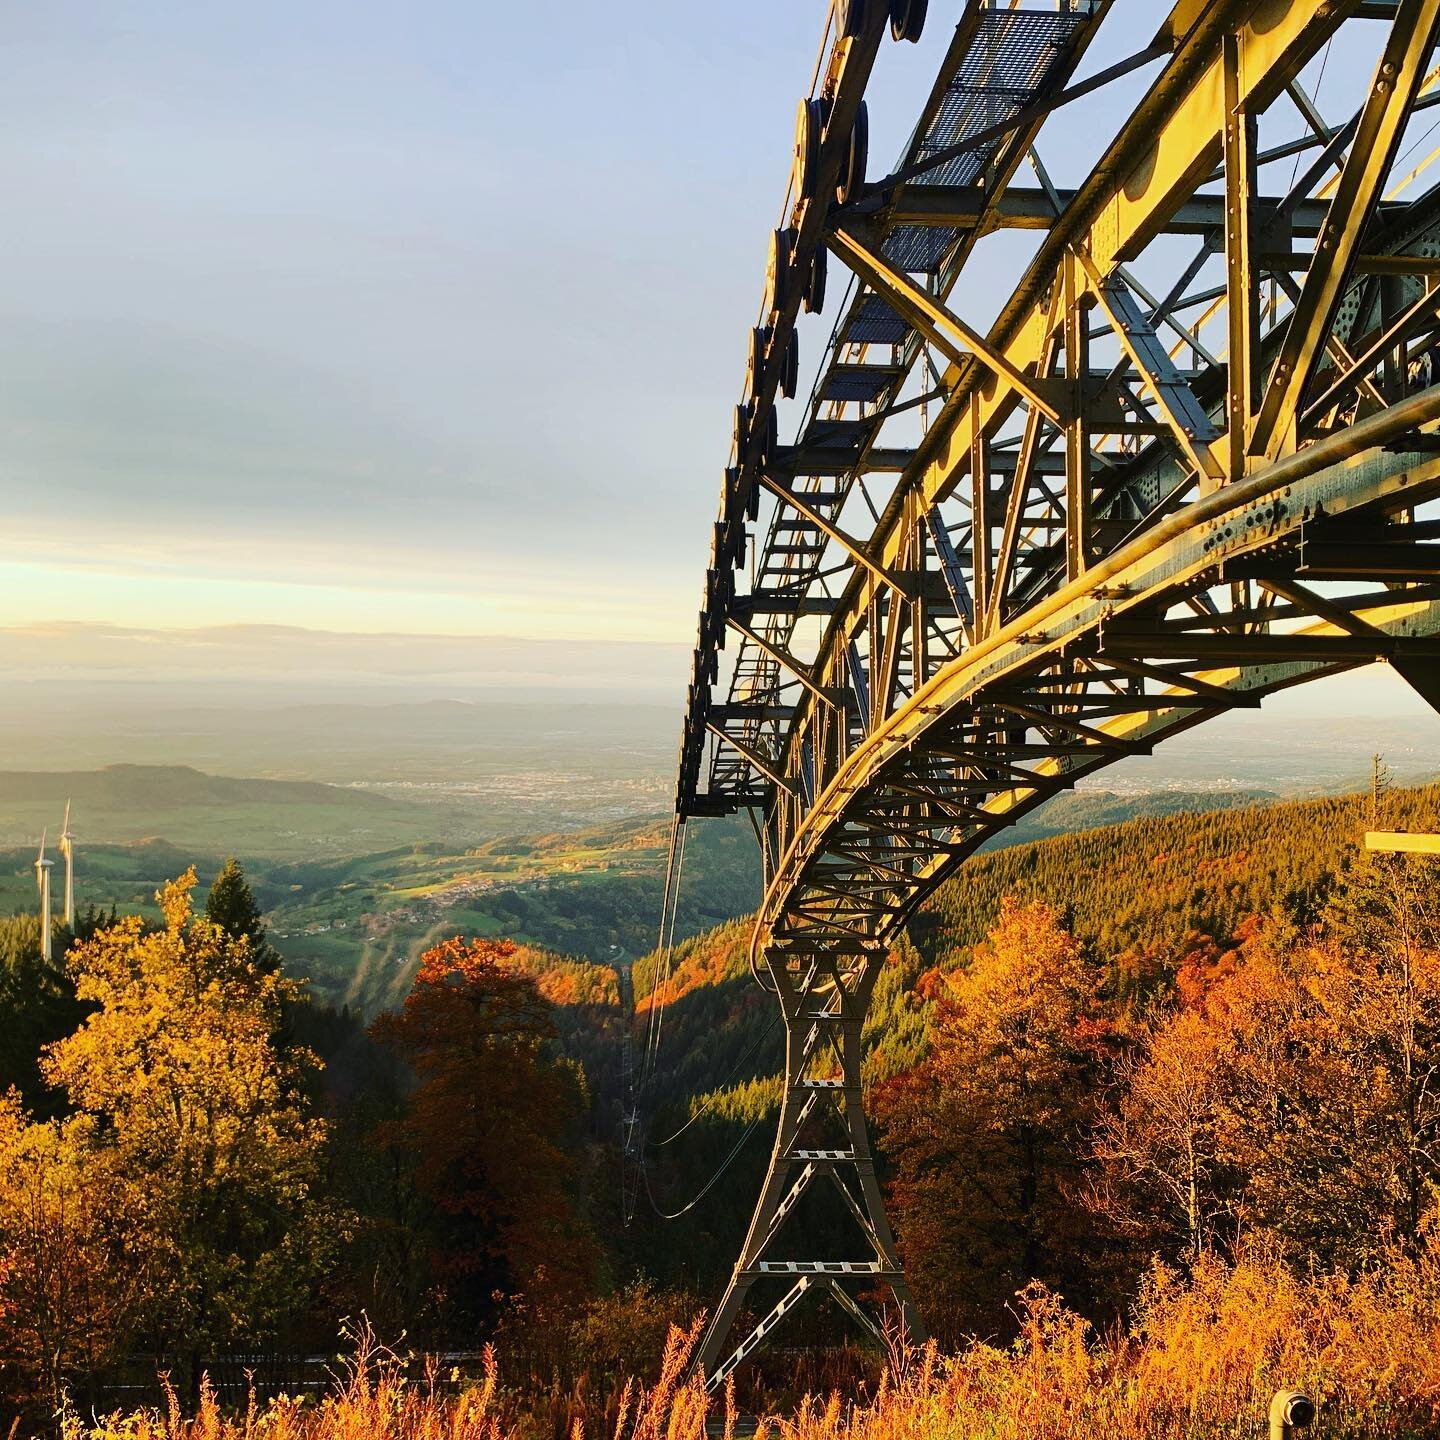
[(661, 950), (709, 1185), (716, 1092), (661, 989)]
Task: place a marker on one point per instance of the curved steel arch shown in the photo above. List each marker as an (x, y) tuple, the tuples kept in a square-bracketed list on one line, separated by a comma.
[(1117, 523)]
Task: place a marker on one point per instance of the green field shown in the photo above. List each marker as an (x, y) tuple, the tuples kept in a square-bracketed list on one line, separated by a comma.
[(355, 885), (354, 923)]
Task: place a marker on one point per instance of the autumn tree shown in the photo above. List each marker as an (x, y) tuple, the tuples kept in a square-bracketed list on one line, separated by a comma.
[(985, 1135), (202, 1121), (487, 1126), (1161, 1143), (1334, 1092), (1385, 1000), (65, 1291)]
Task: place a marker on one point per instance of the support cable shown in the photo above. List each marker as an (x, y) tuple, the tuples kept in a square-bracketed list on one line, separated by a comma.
[(658, 1001), (710, 1184), (713, 1098), (677, 827), (632, 1148)]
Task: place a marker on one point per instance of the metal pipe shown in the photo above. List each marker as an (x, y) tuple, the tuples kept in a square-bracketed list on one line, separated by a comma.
[(1290, 1410)]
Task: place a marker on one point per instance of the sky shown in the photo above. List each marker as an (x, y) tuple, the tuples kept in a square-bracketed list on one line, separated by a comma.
[(393, 317), (381, 317), (387, 316)]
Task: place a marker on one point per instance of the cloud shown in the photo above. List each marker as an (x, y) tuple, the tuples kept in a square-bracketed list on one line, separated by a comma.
[(132, 575), (47, 658)]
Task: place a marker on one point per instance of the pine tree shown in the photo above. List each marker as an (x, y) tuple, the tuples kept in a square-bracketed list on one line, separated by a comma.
[(231, 905), (37, 1000)]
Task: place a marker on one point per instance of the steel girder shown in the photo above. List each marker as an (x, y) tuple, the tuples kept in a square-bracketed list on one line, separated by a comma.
[(1112, 524)]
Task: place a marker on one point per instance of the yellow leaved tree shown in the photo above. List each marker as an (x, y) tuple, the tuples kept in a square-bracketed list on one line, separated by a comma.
[(201, 1121)]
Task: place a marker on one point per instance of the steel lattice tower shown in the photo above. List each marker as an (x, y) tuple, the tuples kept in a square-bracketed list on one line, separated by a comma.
[(1194, 460)]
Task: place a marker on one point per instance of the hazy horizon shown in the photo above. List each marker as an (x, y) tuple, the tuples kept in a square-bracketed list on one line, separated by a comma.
[(50, 659)]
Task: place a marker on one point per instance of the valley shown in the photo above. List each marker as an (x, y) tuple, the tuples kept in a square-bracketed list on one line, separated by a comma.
[(356, 882)]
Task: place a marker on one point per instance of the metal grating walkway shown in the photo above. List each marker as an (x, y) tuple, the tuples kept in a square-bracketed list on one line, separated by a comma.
[(875, 323), (1007, 66)]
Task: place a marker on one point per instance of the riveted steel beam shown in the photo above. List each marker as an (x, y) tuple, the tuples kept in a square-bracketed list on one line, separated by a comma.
[(1100, 537)]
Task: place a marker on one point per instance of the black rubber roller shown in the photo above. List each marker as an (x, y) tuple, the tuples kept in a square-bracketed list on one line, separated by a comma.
[(907, 19), (852, 170), (790, 369), (759, 343), (765, 436), (809, 128), (814, 294)]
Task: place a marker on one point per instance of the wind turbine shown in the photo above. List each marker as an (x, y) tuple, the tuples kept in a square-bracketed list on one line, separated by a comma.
[(67, 849), (42, 879)]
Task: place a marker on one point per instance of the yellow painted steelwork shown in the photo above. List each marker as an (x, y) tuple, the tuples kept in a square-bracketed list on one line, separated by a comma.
[(1152, 490)]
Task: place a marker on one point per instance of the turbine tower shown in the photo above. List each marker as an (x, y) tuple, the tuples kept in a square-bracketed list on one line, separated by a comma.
[(67, 849), (42, 879)]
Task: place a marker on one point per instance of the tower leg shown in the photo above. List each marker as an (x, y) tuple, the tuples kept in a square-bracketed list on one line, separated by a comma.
[(823, 1008)]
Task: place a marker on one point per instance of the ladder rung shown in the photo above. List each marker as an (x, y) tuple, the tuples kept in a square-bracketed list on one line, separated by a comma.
[(822, 1267)]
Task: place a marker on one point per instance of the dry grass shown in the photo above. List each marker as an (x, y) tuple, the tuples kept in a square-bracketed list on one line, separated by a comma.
[(1202, 1359), (373, 1400)]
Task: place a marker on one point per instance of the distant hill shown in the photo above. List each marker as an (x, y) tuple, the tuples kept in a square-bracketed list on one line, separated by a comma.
[(205, 814), (507, 765), (118, 786), (1087, 809)]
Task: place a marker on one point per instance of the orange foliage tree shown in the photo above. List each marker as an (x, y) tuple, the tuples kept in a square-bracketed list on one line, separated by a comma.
[(1333, 1091), (487, 1128), (65, 1291), (1290, 1089), (1161, 1144), (985, 1135)]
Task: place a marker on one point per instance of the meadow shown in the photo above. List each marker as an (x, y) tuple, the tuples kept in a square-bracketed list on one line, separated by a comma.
[(1201, 1358)]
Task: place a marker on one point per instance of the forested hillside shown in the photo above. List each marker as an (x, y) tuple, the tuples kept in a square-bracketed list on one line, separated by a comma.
[(1145, 899), (1133, 890), (1149, 882), (1208, 1038)]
